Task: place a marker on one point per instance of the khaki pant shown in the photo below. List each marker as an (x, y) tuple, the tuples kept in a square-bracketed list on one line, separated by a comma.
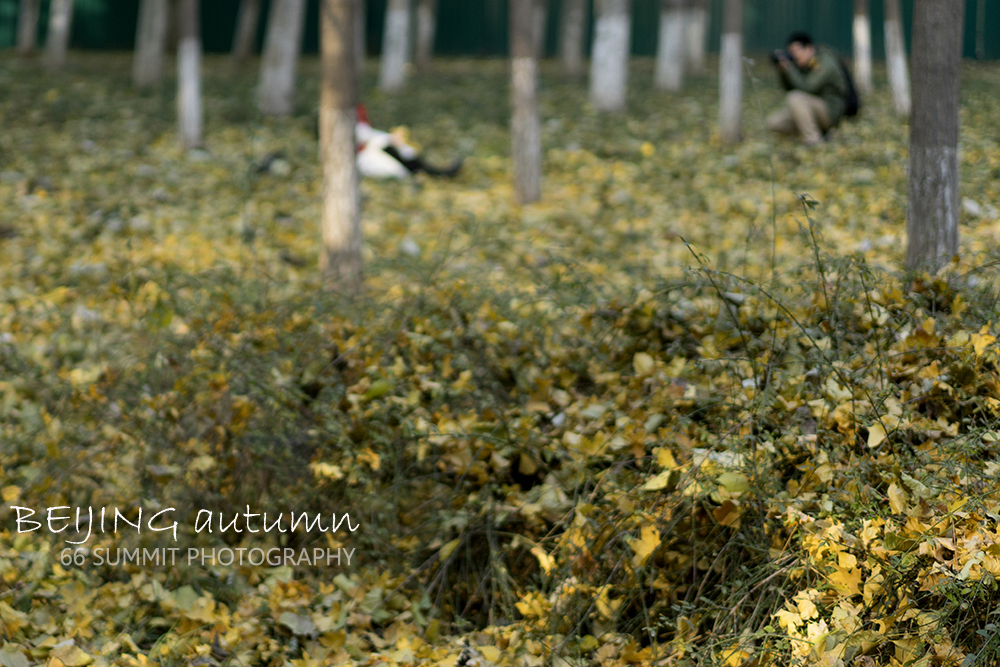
[(804, 114)]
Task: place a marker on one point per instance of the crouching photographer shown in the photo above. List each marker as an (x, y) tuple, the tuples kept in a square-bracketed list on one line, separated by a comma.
[(819, 89)]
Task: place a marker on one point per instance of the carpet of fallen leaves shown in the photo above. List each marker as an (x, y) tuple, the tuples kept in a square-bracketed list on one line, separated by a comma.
[(687, 410)]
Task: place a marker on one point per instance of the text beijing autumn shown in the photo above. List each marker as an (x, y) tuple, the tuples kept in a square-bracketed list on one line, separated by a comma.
[(84, 519)]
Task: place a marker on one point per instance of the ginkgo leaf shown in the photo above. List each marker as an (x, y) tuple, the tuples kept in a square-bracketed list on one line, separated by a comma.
[(665, 458), (448, 549), (377, 389), (10, 656), (847, 580), (735, 656), (323, 469), (71, 656), (733, 482), (645, 544), (643, 364), (491, 653), (658, 481), (299, 624), (727, 514), (897, 499), (545, 560), (876, 435), (982, 340)]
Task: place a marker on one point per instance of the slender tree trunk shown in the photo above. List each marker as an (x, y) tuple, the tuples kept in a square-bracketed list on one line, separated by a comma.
[(360, 37), (246, 31), (731, 73), (150, 44), (189, 110), (540, 27), (276, 94), (395, 46), (932, 223), (60, 28), (426, 31), (895, 57), (27, 26), (697, 34), (571, 36), (340, 260), (862, 46), (526, 128), (670, 50), (609, 62)]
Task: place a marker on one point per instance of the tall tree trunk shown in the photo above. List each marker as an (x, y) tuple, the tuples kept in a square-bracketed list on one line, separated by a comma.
[(150, 44), (27, 26), (862, 46), (60, 28), (276, 94), (697, 34), (395, 46), (189, 111), (932, 222), (609, 61), (895, 57), (426, 31), (246, 31), (670, 50), (526, 128), (340, 260), (571, 36), (540, 27), (731, 73)]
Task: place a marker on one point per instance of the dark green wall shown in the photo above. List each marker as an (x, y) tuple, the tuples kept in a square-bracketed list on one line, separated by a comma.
[(479, 27)]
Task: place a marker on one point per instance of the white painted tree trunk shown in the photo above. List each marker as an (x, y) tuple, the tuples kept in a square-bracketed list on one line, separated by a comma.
[(246, 31), (933, 211), (60, 27), (27, 26), (150, 44), (282, 44), (426, 32), (670, 52), (540, 26), (340, 260), (395, 46), (895, 56), (731, 74), (571, 36), (862, 47), (697, 34), (526, 127), (189, 109), (609, 60)]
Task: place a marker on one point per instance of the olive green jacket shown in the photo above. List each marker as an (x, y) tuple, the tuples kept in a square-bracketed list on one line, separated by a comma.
[(822, 77)]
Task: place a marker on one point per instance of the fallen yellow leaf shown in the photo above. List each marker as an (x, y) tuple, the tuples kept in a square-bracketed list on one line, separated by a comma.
[(645, 544)]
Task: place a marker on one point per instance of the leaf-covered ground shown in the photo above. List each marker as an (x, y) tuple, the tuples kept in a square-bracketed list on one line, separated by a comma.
[(687, 410)]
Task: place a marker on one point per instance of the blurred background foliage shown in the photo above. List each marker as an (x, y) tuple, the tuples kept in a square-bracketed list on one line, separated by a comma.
[(479, 27)]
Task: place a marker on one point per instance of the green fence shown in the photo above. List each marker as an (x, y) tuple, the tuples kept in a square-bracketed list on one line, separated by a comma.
[(479, 27)]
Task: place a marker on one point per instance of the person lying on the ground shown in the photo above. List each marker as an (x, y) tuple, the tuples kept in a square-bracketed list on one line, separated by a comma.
[(817, 90), (388, 155)]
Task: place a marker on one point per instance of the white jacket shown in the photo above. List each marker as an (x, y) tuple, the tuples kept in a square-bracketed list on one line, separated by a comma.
[(373, 161)]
